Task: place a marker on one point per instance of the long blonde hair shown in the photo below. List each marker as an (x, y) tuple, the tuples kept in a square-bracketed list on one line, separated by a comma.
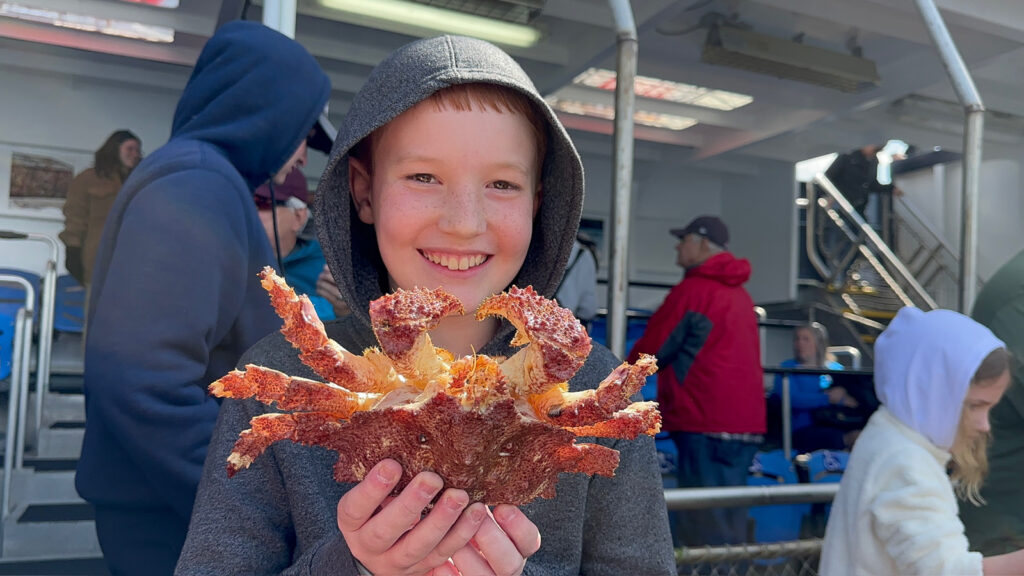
[(970, 452)]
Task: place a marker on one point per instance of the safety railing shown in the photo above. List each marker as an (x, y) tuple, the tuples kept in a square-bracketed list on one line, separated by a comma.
[(21, 358), (47, 307), (796, 557), (863, 242)]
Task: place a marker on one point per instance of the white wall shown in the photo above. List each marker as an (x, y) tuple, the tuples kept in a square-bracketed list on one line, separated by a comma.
[(68, 115), (1000, 211), (754, 197)]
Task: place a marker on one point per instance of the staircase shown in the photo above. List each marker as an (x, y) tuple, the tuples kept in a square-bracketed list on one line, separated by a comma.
[(852, 281)]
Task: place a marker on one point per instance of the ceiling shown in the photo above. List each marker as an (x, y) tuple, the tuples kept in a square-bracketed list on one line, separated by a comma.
[(787, 120)]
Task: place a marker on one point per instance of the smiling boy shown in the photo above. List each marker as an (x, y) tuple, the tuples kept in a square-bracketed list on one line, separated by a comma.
[(450, 171)]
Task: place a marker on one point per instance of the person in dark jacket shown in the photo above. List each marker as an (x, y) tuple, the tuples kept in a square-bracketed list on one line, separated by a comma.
[(855, 174), (300, 257), (710, 383), (435, 180), (997, 526), (176, 299)]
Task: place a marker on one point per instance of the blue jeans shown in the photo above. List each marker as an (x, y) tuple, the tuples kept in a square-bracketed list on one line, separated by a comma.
[(705, 461), (140, 541)]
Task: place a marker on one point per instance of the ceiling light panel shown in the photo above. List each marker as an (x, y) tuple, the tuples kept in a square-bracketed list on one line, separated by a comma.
[(110, 27), (518, 11), (653, 119), (658, 89)]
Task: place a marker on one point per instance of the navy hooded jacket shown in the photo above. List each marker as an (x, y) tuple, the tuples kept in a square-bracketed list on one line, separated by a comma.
[(175, 297)]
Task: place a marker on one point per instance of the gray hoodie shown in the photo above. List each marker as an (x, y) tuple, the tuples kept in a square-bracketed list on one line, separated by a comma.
[(278, 516)]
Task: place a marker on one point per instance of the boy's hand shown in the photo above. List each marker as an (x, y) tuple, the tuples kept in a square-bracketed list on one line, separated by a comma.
[(501, 546), (390, 536)]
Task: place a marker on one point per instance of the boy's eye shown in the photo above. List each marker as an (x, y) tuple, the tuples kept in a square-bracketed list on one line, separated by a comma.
[(506, 185), (422, 178)]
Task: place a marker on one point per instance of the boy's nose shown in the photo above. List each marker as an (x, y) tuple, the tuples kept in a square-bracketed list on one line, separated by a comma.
[(464, 213)]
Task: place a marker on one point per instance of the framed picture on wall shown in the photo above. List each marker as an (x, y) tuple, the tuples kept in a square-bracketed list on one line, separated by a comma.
[(34, 180)]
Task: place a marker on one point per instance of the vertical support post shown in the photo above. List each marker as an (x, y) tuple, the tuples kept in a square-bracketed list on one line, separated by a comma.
[(974, 125), (622, 193), (280, 15), (787, 419)]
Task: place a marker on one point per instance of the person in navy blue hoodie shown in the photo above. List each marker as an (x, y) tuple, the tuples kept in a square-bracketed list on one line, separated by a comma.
[(176, 299)]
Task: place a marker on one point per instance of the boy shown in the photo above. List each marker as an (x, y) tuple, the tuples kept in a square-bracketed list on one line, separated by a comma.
[(450, 170)]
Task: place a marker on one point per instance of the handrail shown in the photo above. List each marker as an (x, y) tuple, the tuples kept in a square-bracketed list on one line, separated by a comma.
[(876, 243), (21, 353), (928, 226), (810, 221), (743, 496), (46, 317)]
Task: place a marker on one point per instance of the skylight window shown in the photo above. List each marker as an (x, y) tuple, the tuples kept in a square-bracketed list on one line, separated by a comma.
[(579, 108), (658, 89), (122, 28)]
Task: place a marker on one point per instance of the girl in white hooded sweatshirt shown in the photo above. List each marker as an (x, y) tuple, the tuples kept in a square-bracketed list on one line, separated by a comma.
[(937, 375)]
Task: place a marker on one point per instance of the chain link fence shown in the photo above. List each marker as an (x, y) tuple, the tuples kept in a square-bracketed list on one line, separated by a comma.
[(796, 558)]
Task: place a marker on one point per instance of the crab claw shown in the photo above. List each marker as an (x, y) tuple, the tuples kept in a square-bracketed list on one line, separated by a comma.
[(291, 393), (558, 343), (588, 407), (303, 328), (401, 320)]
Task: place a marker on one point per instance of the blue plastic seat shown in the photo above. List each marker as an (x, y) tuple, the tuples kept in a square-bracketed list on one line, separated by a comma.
[(827, 465), (12, 299), (781, 522), (69, 311)]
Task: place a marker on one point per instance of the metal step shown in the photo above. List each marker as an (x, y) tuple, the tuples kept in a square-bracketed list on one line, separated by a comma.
[(58, 443), (48, 540), (30, 487)]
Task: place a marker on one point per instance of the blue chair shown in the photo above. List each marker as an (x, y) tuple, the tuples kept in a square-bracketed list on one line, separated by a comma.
[(827, 465), (781, 522), (69, 312), (12, 299)]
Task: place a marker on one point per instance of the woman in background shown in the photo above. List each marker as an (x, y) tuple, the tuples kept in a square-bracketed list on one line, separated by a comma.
[(90, 197)]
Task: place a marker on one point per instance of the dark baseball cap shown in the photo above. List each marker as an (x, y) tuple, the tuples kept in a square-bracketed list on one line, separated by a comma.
[(294, 187), (710, 227)]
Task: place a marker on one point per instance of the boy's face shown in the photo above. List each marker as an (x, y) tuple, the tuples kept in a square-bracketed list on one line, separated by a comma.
[(452, 196)]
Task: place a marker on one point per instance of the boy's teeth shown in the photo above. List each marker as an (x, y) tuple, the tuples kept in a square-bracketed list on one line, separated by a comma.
[(456, 262)]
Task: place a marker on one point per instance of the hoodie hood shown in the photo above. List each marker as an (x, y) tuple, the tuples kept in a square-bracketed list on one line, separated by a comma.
[(255, 94), (724, 268), (410, 75), (924, 363)]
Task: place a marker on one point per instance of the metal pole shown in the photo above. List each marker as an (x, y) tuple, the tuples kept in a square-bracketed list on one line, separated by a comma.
[(787, 419), (46, 314), (625, 101), (974, 125), (280, 15), (12, 412), (743, 496)]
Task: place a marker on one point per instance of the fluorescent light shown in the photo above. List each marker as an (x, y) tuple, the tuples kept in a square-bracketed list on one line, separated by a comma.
[(579, 108), (429, 19), (658, 89), (171, 4), (122, 28)]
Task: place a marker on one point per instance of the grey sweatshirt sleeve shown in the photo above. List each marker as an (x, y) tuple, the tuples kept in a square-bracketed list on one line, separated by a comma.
[(244, 525)]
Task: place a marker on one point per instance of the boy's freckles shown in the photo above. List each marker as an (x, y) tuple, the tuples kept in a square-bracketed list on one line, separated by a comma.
[(452, 198)]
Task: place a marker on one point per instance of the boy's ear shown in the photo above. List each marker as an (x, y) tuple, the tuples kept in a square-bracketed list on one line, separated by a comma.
[(359, 182)]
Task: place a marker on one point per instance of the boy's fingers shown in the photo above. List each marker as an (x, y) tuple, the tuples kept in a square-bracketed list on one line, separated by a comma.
[(497, 548), (523, 533), (385, 528), (462, 532), (469, 560), (430, 542), (359, 503)]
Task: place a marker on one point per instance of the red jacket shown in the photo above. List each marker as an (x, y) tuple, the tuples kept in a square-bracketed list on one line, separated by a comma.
[(705, 338)]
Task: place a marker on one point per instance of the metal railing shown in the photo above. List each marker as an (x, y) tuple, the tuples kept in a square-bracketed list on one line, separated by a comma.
[(21, 358), (796, 557), (864, 242)]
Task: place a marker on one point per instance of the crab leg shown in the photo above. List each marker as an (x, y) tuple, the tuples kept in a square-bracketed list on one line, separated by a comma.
[(589, 407), (587, 459), (292, 393), (636, 419), (309, 428), (558, 344), (306, 332), (401, 320)]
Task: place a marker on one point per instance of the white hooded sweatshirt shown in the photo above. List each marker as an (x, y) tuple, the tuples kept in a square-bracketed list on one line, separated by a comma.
[(896, 512)]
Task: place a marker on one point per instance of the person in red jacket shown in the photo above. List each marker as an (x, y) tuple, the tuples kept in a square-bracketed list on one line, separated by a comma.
[(710, 383)]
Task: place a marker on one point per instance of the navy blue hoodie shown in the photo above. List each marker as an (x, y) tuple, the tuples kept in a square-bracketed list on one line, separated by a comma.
[(175, 296)]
